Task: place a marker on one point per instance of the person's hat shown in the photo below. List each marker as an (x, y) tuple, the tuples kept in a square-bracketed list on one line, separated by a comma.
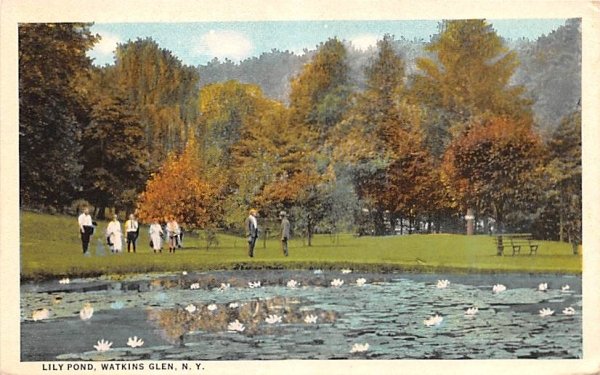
[(282, 213)]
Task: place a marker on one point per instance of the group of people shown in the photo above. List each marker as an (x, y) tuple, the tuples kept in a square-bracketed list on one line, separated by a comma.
[(171, 232), (252, 231)]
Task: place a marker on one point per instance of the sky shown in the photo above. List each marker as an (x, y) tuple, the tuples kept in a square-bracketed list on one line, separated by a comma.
[(199, 42)]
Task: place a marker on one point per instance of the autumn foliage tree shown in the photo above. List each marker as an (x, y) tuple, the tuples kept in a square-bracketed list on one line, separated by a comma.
[(495, 168), (178, 190)]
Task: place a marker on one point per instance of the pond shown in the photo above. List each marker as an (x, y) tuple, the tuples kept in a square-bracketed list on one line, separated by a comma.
[(192, 316)]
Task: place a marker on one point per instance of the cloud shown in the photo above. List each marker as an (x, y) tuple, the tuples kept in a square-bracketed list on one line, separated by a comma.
[(103, 51), (224, 44), (363, 42)]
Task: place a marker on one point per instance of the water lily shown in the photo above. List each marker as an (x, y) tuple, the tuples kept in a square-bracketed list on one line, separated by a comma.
[(135, 342), (546, 312), (272, 319), (224, 287), (337, 283), (435, 320), (543, 287), (346, 270), (361, 281), (236, 326), (359, 348), (310, 319), (471, 311), (40, 314), (234, 305), (64, 281), (184, 273), (293, 284), (211, 307), (442, 284), (569, 311), (86, 312), (195, 286), (253, 285), (318, 271), (103, 345), (190, 308), (498, 288), (565, 288)]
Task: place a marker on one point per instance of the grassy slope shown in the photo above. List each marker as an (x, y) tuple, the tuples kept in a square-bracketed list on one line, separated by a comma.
[(50, 247)]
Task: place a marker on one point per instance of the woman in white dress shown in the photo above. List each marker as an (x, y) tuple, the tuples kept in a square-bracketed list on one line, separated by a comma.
[(156, 233), (115, 235)]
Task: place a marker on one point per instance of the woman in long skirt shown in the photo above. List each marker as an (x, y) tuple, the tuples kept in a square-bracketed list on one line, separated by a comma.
[(173, 233), (156, 233), (115, 236)]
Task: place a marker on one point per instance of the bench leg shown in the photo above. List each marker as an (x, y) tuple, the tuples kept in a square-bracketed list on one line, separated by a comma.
[(533, 249), (516, 249)]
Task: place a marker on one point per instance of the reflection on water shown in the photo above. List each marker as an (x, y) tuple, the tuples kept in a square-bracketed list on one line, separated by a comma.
[(388, 313)]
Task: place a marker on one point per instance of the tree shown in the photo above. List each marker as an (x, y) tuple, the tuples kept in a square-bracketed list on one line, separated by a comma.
[(178, 190), (52, 110), (494, 167), (468, 76), (114, 158), (563, 178)]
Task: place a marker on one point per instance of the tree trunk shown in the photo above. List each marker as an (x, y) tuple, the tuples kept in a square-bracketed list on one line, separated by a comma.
[(470, 218), (561, 227)]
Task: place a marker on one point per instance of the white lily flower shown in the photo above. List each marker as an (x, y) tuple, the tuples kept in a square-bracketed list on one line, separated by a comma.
[(272, 319), (442, 284), (40, 314), (498, 288), (195, 286), (236, 326), (337, 283), (135, 342), (86, 312), (543, 287), (435, 320), (310, 319), (234, 305), (569, 311), (546, 312), (471, 311), (224, 287), (184, 273), (190, 308), (318, 271), (64, 281), (359, 348), (103, 345), (292, 284), (565, 288), (361, 281), (212, 307), (346, 271), (253, 285)]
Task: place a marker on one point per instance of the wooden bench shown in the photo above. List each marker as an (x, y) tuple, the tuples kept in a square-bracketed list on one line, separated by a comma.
[(516, 241)]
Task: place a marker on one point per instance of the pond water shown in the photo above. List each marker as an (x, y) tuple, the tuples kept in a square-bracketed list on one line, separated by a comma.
[(188, 317)]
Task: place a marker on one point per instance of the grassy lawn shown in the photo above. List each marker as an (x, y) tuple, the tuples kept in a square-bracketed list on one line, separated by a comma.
[(50, 247)]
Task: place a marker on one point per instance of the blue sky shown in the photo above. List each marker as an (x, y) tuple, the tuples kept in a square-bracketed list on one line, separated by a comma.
[(199, 42)]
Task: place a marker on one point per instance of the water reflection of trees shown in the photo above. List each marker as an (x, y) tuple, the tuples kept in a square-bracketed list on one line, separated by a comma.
[(174, 323)]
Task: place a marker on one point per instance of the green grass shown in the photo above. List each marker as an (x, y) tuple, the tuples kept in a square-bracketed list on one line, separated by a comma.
[(50, 247)]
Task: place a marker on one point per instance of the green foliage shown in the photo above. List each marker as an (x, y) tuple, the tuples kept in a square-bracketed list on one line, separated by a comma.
[(52, 110), (114, 157)]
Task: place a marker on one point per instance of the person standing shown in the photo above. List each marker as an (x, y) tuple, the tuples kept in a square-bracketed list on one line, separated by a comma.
[(251, 231), (132, 229), (86, 228), (285, 232), (115, 235), (172, 234), (156, 233)]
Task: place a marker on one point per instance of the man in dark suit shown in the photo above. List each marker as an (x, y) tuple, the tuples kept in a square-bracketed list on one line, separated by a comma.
[(251, 231), (285, 232)]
